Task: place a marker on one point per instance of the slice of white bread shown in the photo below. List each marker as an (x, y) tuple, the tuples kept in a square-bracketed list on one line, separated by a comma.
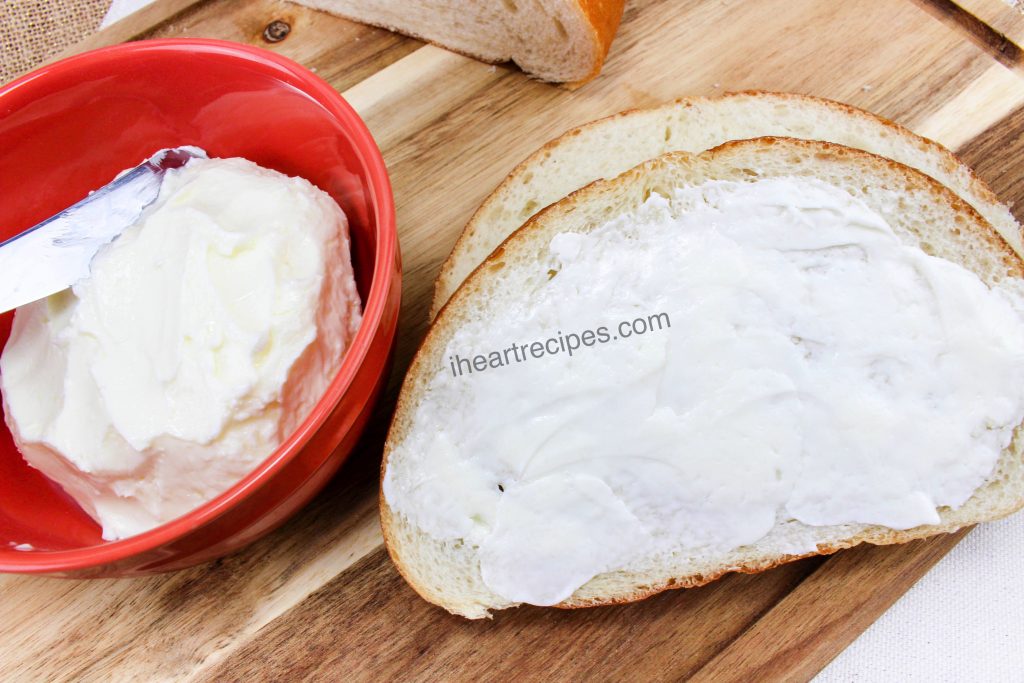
[(925, 213), (606, 148), (564, 41)]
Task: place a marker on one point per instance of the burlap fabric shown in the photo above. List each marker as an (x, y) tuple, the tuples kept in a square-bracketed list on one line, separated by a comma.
[(31, 31)]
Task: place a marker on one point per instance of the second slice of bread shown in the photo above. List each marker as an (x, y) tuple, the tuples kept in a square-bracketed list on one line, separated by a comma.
[(605, 148)]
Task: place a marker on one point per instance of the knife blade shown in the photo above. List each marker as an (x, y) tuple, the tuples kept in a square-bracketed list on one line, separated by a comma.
[(56, 253)]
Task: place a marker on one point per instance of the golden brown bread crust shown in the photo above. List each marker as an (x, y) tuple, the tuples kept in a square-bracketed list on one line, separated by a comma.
[(603, 16), (446, 276), (418, 374)]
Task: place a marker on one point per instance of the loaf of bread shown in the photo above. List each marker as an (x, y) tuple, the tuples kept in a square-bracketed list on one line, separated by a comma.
[(607, 147), (563, 41), (447, 569)]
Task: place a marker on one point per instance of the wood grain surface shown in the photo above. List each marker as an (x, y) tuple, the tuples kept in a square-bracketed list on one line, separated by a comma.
[(319, 599)]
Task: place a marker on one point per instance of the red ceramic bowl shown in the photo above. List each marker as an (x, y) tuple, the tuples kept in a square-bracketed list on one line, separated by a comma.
[(69, 128)]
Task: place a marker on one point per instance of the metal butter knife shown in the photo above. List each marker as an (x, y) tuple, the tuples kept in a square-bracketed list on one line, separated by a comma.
[(56, 254)]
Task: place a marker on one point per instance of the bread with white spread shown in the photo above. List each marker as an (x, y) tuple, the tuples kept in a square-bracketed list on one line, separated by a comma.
[(920, 212), (563, 41), (605, 148)]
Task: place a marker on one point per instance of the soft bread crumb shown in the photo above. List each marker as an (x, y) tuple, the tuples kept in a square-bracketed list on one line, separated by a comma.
[(563, 41)]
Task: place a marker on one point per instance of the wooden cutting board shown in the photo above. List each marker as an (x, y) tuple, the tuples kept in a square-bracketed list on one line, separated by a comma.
[(319, 598)]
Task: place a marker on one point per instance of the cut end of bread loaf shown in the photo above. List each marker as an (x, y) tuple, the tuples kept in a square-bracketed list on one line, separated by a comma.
[(561, 41), (606, 148), (927, 215)]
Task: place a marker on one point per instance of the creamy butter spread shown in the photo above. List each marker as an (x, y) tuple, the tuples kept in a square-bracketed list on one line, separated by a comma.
[(203, 335), (816, 369)]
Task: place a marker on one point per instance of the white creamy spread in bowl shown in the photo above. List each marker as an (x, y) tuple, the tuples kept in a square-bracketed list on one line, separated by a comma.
[(202, 337), (813, 368)]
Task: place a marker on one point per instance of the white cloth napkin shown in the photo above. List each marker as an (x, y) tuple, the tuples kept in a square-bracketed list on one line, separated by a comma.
[(119, 9), (963, 621)]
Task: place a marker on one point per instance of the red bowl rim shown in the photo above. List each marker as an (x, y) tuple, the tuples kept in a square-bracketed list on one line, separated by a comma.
[(39, 561)]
